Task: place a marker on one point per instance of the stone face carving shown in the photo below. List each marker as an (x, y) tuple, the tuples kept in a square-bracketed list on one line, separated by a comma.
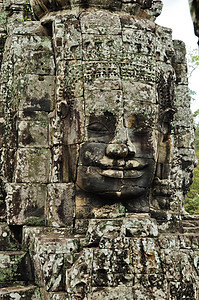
[(96, 154), (110, 122)]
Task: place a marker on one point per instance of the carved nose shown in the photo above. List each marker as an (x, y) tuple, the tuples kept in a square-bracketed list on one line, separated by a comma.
[(117, 150), (131, 148)]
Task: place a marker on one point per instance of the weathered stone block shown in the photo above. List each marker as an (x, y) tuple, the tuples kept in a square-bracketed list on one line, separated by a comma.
[(108, 293), (109, 101), (73, 125), (33, 134), (36, 93), (141, 225), (103, 84), (164, 44), (73, 78), (57, 295), (34, 116), (182, 97), (170, 242), (26, 204), (84, 206), (61, 204), (2, 131), (12, 267), (184, 139), (182, 118), (59, 165), (97, 229), (118, 243), (137, 91), (102, 260), (140, 68), (180, 51), (32, 165), (117, 210), (186, 290), (96, 72), (100, 23), (31, 36), (2, 103), (41, 63), (44, 240), (150, 286), (51, 252), (78, 278), (7, 240), (137, 41), (136, 257), (64, 163), (177, 265), (81, 226), (100, 47), (68, 38), (29, 292), (51, 271), (152, 257), (195, 241)]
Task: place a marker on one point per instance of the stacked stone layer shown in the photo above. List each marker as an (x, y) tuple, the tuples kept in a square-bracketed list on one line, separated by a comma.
[(56, 74)]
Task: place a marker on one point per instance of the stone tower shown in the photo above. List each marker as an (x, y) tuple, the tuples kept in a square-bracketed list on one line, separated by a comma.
[(96, 154)]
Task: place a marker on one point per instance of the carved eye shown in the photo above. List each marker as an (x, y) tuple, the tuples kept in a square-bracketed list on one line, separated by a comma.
[(97, 127)]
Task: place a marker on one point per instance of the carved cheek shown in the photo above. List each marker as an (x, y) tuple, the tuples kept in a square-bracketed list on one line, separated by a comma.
[(91, 153), (146, 145)]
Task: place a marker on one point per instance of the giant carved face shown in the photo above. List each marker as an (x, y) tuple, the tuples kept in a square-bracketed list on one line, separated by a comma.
[(119, 154)]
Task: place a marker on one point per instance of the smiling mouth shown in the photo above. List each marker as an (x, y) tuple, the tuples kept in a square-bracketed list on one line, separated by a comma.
[(131, 169)]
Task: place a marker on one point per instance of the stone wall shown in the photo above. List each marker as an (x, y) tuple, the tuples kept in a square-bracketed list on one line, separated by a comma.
[(194, 9), (97, 153)]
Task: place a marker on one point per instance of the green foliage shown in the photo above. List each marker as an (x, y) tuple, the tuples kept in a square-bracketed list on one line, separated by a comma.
[(197, 140), (28, 13), (3, 17), (192, 200), (192, 61)]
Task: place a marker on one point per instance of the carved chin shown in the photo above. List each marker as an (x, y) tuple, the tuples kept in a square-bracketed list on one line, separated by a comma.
[(113, 183), (121, 174)]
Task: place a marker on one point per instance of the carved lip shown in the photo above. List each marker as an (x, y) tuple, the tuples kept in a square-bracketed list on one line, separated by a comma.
[(131, 169), (122, 165)]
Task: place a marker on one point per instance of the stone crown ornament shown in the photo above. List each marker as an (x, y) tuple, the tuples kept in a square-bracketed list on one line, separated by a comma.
[(134, 7)]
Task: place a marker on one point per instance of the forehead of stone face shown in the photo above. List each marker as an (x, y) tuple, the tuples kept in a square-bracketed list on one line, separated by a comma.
[(138, 92), (114, 102), (99, 102)]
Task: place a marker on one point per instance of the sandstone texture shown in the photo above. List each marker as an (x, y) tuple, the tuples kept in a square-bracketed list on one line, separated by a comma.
[(97, 154)]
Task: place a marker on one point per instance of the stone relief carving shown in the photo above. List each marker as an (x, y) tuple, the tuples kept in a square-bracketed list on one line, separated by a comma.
[(118, 131), (97, 153)]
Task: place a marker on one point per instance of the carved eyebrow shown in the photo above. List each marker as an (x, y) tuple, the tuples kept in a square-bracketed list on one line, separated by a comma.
[(143, 129)]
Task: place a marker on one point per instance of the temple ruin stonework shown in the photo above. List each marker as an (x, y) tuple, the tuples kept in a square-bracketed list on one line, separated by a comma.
[(97, 154)]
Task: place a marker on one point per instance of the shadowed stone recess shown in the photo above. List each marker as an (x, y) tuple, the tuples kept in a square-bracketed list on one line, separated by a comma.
[(194, 10)]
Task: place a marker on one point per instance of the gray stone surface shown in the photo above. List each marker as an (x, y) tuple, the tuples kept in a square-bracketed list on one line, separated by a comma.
[(97, 153)]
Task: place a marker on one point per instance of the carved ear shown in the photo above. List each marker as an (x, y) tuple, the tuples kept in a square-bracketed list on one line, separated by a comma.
[(165, 121), (164, 145)]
